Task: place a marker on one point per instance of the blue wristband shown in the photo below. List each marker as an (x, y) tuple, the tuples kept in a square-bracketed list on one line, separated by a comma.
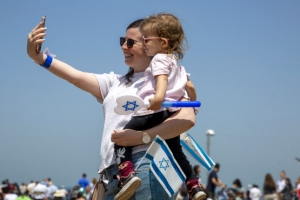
[(47, 62)]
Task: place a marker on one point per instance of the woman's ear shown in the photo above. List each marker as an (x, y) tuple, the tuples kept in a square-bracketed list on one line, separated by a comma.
[(164, 42)]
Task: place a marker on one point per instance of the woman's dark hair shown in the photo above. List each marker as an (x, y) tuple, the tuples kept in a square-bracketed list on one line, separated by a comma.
[(269, 181), (288, 182), (237, 182), (130, 72)]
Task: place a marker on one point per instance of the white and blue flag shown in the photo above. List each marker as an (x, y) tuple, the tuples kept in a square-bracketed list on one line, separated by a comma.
[(164, 166), (194, 149)]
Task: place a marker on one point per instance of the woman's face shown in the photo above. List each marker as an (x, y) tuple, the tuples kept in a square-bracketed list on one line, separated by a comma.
[(135, 57)]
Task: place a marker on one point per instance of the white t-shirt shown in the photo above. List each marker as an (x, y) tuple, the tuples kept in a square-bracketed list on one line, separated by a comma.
[(280, 185), (111, 86), (255, 194), (163, 64), (10, 197), (39, 191), (298, 190)]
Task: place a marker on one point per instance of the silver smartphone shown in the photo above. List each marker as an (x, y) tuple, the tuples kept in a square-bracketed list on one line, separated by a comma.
[(39, 47)]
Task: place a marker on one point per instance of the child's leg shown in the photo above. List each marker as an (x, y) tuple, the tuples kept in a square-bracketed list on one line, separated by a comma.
[(124, 154), (175, 147), (123, 159), (128, 180), (192, 183)]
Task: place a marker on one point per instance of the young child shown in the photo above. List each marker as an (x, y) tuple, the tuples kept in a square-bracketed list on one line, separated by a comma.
[(165, 80)]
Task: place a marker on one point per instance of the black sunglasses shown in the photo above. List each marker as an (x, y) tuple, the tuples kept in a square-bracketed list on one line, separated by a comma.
[(130, 42)]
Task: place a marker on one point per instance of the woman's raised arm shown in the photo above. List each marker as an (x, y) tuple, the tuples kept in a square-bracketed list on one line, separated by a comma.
[(83, 80)]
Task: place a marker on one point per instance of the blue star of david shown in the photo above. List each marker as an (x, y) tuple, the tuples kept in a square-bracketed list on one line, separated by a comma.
[(164, 164), (130, 105)]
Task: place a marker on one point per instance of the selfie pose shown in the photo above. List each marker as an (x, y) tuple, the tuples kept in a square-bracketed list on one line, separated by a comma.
[(105, 87), (165, 80)]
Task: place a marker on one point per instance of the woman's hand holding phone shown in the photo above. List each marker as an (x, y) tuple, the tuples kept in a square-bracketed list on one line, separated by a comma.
[(39, 46), (35, 40)]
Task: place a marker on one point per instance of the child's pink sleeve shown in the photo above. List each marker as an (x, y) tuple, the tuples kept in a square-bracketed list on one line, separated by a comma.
[(161, 64)]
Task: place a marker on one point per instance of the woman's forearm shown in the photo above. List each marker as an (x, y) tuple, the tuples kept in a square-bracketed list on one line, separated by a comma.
[(83, 80), (178, 123)]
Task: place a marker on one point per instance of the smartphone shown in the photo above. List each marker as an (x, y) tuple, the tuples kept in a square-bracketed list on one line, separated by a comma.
[(39, 47)]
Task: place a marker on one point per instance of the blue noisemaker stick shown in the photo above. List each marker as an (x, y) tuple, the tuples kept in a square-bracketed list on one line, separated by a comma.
[(128, 104)]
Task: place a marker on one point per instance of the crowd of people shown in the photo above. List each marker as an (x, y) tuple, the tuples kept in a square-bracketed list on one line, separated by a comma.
[(47, 190), (283, 189)]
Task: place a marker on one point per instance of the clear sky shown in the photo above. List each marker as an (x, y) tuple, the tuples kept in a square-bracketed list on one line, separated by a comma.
[(244, 57)]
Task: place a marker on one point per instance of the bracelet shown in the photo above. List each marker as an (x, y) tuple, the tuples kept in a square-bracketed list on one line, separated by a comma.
[(47, 62)]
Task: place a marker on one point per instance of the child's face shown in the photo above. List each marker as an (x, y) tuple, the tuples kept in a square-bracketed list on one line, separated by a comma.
[(152, 43)]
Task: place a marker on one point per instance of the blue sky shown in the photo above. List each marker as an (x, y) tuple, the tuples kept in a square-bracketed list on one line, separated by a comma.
[(244, 57)]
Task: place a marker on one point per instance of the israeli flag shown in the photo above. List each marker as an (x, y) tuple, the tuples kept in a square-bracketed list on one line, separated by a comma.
[(164, 166), (194, 149)]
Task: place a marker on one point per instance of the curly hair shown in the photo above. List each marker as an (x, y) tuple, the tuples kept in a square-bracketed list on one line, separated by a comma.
[(167, 26)]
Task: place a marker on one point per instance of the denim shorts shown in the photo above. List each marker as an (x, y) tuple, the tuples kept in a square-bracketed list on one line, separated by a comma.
[(150, 188)]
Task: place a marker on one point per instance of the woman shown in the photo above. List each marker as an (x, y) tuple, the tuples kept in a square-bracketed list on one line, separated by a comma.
[(239, 190), (105, 87), (269, 188), (288, 190)]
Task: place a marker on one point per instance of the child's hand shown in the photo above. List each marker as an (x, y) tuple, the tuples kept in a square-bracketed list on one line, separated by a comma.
[(155, 104), (196, 111)]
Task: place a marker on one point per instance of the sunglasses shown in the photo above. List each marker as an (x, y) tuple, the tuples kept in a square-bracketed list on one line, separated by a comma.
[(145, 40), (130, 42)]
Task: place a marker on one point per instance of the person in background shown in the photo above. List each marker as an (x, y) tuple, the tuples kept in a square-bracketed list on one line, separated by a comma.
[(59, 195), (269, 188), (10, 195), (23, 196), (83, 182), (30, 187), (81, 194), (1, 194), (213, 181), (93, 184), (297, 189), (45, 181), (5, 186), (74, 192), (255, 193), (23, 188), (281, 184), (182, 193), (64, 191), (238, 189), (16, 188), (287, 190), (39, 192), (197, 171), (88, 193), (51, 189)]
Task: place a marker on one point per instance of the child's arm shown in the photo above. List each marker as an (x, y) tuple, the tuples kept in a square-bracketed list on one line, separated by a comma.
[(160, 91), (191, 90)]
